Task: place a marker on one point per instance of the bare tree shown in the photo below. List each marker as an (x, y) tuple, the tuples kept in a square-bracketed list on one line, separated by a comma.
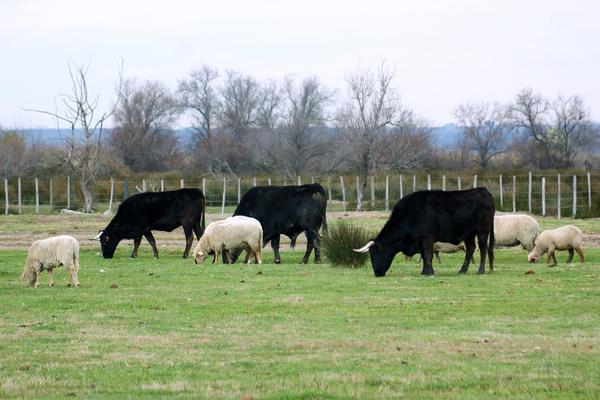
[(407, 145), (371, 108), (485, 130), (557, 130), (86, 128), (13, 153), (143, 136)]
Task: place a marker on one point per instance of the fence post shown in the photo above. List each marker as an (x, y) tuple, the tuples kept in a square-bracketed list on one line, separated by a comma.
[(162, 185), (69, 192), (254, 181), (543, 196), (181, 183), (474, 181), (112, 193), (224, 191), (558, 196), (51, 195), (458, 183), (343, 193), (239, 190), (329, 187), (414, 183), (387, 193), (514, 194), (589, 181), (125, 188), (574, 195), (284, 182), (6, 196), (312, 179), (443, 182), (144, 186), (204, 187), (269, 180), (428, 182), (19, 193), (358, 202), (401, 187), (37, 196), (529, 194), (501, 193), (372, 192), (299, 180)]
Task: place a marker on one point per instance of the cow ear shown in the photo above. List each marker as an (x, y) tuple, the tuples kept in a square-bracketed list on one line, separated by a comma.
[(378, 245)]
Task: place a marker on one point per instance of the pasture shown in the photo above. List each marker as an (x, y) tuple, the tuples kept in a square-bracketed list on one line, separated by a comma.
[(146, 328)]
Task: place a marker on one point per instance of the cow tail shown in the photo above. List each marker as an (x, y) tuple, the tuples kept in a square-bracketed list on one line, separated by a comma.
[(324, 220), (491, 243)]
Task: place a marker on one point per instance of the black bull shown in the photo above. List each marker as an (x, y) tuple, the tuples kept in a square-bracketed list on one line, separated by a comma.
[(286, 210), (423, 218), (142, 213)]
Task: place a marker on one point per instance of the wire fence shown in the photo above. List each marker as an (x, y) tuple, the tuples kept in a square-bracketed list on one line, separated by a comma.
[(573, 195)]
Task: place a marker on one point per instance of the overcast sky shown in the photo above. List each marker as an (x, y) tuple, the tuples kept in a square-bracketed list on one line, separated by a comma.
[(445, 52)]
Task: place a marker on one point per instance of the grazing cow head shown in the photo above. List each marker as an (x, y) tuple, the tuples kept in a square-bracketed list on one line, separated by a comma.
[(108, 243), (381, 257)]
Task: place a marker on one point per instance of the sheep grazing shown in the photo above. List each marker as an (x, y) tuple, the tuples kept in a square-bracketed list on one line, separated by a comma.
[(515, 229), (230, 234), (567, 237), (442, 247), (51, 253)]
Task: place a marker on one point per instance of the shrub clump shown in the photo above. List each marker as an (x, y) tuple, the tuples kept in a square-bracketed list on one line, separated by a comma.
[(339, 241)]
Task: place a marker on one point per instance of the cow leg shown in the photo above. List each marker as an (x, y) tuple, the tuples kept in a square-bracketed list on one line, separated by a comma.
[(571, 254), (311, 242), (136, 245), (150, 238), (482, 242), (189, 239), (275, 247), (469, 250), (427, 255), (317, 244)]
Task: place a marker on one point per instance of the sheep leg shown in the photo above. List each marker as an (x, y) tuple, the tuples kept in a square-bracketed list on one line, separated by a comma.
[(216, 255), (37, 279), (571, 254), (437, 255), (150, 238), (258, 255), (247, 258), (579, 251), (74, 278), (51, 279), (469, 250), (136, 245)]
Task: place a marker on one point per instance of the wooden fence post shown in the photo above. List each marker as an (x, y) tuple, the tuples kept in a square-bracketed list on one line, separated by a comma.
[(239, 190), (69, 192), (269, 181), (162, 185), (182, 183), (5, 196), (299, 180), (372, 192), (574, 196), (443, 182), (514, 194), (428, 182), (224, 191), (343, 193), (19, 192), (125, 188), (458, 183), (254, 181), (401, 187), (558, 196), (474, 181), (543, 196), (358, 199), (387, 193), (37, 196), (204, 187), (112, 193), (144, 186), (501, 194), (414, 183), (589, 182), (51, 194), (529, 194), (329, 188), (312, 179)]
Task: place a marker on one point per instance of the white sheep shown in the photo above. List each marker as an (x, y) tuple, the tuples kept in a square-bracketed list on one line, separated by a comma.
[(515, 229), (233, 233), (51, 253), (566, 237)]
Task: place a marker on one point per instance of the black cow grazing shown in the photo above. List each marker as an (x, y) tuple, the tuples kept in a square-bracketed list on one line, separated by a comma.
[(287, 210), (423, 218), (142, 213)]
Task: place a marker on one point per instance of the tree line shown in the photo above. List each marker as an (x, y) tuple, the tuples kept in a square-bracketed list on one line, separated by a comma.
[(241, 125)]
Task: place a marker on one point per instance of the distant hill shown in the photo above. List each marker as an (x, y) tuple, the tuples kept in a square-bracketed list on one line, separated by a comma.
[(443, 136)]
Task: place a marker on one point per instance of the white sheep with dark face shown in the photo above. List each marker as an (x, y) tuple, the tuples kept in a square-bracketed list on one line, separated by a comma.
[(566, 237), (51, 253)]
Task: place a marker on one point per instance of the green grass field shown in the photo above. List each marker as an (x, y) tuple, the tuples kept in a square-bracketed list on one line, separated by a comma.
[(173, 329)]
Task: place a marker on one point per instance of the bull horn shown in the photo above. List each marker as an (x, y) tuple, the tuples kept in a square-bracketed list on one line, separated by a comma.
[(365, 248), (98, 236)]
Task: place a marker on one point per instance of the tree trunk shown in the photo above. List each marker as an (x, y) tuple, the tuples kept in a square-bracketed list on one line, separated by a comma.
[(87, 197)]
